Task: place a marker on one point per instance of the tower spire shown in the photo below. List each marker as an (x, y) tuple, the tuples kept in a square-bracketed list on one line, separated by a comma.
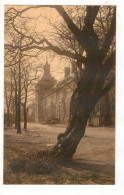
[(46, 68)]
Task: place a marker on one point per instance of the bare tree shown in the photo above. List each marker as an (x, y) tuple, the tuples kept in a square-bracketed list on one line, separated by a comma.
[(8, 86), (28, 78), (98, 59), (15, 59), (15, 87)]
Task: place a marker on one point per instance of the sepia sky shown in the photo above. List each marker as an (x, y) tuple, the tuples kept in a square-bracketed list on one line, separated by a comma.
[(40, 20)]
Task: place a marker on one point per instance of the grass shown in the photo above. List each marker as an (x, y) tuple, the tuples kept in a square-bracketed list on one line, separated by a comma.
[(27, 161), (39, 163)]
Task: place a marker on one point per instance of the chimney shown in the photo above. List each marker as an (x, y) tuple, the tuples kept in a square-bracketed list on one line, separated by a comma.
[(67, 71)]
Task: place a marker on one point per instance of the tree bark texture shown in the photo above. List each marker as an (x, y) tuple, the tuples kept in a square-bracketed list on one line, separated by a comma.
[(82, 103)]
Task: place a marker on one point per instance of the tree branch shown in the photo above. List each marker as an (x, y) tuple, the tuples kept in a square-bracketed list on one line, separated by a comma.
[(56, 50), (89, 37), (91, 15), (109, 37), (108, 65), (74, 29)]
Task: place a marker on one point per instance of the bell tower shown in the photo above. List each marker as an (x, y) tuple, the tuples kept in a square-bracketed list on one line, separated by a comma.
[(42, 87)]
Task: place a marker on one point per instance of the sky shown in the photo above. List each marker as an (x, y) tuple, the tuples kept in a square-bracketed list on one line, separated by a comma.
[(42, 26)]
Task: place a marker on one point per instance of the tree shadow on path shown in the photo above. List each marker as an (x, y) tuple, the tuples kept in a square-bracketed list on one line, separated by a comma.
[(81, 166)]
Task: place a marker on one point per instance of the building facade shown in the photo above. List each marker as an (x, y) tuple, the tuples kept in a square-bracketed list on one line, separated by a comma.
[(53, 101)]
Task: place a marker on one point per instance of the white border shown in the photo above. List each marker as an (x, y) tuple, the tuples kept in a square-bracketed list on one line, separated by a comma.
[(72, 189), (61, 2), (2, 89)]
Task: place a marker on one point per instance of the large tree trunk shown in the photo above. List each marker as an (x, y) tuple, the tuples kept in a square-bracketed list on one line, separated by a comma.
[(68, 142), (82, 103), (84, 99)]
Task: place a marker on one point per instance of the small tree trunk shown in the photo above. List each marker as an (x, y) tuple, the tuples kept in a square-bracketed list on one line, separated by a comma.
[(8, 118), (16, 114), (25, 118), (16, 108), (19, 99), (18, 119)]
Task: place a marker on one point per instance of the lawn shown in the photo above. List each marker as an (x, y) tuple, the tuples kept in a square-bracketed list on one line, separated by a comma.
[(93, 162)]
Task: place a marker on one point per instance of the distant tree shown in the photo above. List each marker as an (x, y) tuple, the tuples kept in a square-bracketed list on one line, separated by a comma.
[(15, 59), (15, 88), (8, 94), (28, 77)]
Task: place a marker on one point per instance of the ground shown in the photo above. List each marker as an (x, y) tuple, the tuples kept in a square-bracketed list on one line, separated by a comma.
[(93, 161)]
